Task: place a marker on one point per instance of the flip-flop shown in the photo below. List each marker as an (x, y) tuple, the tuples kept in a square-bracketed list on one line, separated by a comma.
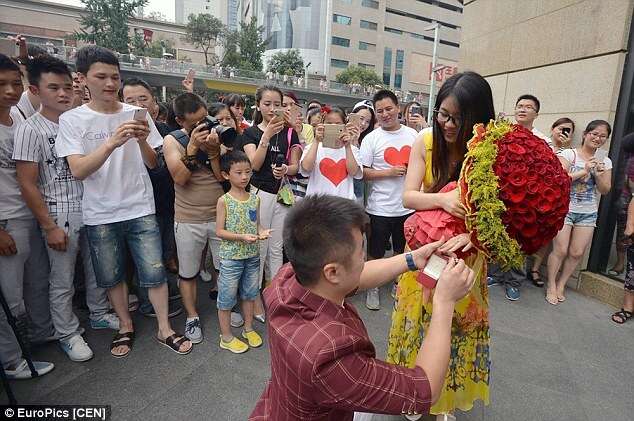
[(551, 302)]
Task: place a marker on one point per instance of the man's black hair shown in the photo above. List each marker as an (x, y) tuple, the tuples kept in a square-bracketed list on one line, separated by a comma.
[(7, 64), (530, 98), (35, 51), (385, 93), (91, 54), (185, 103), (45, 63), (136, 81), (319, 230), (232, 157)]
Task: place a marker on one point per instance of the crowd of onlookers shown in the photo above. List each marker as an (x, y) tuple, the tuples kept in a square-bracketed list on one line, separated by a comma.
[(94, 168)]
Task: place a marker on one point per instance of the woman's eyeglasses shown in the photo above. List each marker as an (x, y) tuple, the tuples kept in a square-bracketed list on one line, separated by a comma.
[(443, 117)]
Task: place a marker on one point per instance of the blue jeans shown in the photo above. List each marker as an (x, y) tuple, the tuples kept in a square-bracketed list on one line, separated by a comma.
[(108, 252), (581, 219), (238, 275)]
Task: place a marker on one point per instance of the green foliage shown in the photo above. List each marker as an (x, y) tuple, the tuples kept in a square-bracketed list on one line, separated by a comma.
[(105, 22), (288, 63), (360, 75), (204, 32), (243, 48), (154, 49)]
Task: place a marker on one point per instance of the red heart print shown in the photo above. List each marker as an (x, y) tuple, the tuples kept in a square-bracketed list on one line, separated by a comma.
[(336, 172), (394, 157)]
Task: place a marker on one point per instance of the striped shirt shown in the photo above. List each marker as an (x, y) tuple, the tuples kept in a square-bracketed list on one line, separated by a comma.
[(35, 142), (11, 203)]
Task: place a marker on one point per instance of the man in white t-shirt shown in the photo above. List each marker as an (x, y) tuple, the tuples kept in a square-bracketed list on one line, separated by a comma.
[(385, 155), (526, 112), (54, 197), (23, 264), (108, 145)]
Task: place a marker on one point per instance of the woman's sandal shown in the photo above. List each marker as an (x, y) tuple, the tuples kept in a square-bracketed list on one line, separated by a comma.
[(613, 272), (622, 315), (552, 301), (174, 343), (536, 280), (122, 339)]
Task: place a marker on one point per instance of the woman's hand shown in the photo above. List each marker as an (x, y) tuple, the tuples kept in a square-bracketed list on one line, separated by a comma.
[(418, 121), (590, 165), (460, 243), (451, 204), (352, 130), (319, 133), (563, 139), (279, 172), (276, 124)]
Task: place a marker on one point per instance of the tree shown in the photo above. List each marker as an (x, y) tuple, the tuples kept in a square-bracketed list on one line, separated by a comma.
[(153, 49), (288, 63), (251, 44), (204, 31), (360, 75), (105, 22)]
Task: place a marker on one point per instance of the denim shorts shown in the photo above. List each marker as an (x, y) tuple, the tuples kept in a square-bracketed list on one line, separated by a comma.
[(238, 275), (581, 219), (108, 251)]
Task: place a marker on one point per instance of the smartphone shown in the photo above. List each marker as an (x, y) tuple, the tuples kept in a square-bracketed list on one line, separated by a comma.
[(566, 131), (429, 276), (354, 118), (279, 112), (140, 114), (414, 109), (332, 133)]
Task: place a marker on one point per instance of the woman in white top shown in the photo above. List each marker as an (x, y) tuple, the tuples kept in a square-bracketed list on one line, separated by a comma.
[(560, 137), (591, 173)]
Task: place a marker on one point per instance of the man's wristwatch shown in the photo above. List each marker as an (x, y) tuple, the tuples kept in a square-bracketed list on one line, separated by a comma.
[(410, 261)]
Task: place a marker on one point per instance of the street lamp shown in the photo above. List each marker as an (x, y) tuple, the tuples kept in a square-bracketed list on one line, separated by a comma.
[(436, 27)]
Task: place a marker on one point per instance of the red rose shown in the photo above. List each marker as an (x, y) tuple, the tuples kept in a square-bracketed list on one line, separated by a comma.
[(517, 179)]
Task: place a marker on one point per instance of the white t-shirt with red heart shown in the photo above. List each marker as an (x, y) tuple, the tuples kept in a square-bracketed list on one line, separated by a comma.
[(330, 175), (382, 150)]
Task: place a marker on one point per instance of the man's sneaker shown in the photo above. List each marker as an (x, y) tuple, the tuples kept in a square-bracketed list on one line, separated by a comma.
[(205, 276), (76, 348), (107, 321), (235, 345), (253, 338), (512, 293), (174, 310), (22, 371), (236, 319), (260, 318), (491, 281), (133, 303), (372, 299), (193, 331)]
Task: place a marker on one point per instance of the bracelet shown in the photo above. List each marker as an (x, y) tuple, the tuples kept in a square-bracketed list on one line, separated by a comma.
[(190, 162), (262, 144), (410, 262)]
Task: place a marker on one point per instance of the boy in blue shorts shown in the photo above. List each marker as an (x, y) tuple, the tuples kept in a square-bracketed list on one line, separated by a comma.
[(238, 227)]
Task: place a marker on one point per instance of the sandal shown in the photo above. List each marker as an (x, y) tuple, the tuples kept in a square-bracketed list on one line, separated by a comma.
[(613, 272), (623, 316), (552, 301), (174, 343), (122, 339), (536, 280)]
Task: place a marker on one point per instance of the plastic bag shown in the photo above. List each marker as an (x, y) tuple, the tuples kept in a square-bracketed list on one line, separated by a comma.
[(285, 194)]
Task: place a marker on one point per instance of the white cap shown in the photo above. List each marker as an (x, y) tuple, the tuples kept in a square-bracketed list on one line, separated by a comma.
[(365, 103)]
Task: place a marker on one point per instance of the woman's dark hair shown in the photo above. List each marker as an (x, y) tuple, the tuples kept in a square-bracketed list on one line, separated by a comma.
[(216, 107), (292, 96), (257, 115), (319, 230), (185, 103), (475, 101), (311, 113), (597, 123), (372, 120), (234, 100), (563, 120)]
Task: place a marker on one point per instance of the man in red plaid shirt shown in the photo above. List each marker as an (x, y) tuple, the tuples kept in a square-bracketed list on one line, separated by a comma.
[(323, 365)]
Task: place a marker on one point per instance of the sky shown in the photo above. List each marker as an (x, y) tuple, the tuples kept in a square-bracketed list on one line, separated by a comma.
[(164, 6)]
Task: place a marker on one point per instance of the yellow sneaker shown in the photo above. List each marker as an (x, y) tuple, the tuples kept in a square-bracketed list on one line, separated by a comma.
[(235, 345), (253, 338)]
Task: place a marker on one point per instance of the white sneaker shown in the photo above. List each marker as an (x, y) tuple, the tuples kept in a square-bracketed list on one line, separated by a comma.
[(76, 348), (260, 317), (236, 319), (372, 299), (22, 371), (107, 321), (193, 331), (205, 276)]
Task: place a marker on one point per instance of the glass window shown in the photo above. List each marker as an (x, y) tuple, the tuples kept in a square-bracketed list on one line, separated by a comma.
[(341, 64), (370, 3), (367, 66), (368, 25), (343, 42), (345, 1), (387, 66), (366, 46), (341, 19), (393, 31), (398, 75)]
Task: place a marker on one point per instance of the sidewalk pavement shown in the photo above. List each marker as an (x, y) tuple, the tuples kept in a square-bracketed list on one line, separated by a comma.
[(569, 362)]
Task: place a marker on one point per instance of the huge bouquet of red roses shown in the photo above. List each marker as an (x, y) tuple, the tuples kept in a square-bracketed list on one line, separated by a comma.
[(515, 191)]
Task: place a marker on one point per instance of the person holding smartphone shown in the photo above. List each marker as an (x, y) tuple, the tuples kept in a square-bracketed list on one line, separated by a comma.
[(590, 170), (412, 114)]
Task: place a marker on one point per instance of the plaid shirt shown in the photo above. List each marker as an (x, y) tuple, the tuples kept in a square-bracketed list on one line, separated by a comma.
[(323, 365)]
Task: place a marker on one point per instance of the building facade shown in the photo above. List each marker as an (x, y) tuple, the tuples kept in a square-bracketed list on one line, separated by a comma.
[(386, 36), (575, 56), (225, 10)]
